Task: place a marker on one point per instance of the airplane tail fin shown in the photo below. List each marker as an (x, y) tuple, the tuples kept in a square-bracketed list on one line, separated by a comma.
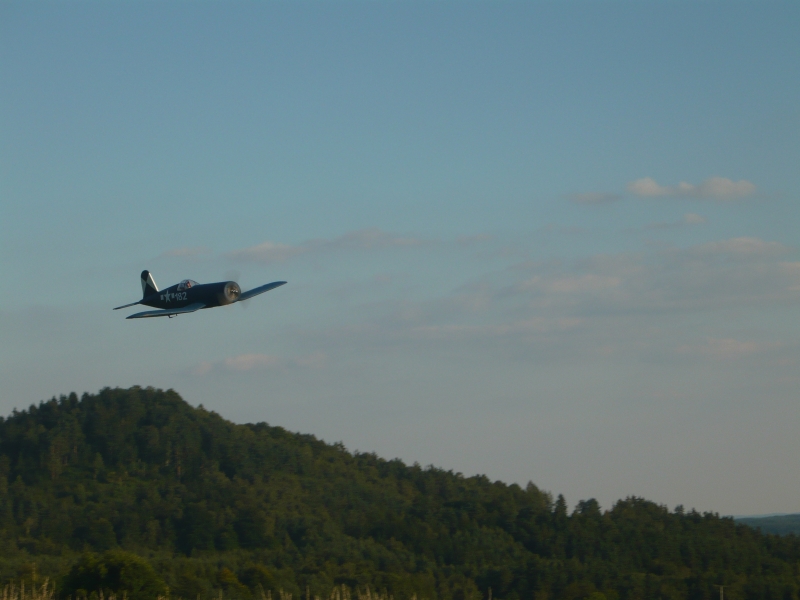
[(149, 286)]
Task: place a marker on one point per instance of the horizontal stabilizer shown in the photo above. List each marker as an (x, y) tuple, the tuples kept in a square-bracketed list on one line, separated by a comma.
[(260, 290), (168, 312), (127, 305)]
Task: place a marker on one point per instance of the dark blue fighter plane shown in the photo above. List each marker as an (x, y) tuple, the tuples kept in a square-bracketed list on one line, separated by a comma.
[(189, 296)]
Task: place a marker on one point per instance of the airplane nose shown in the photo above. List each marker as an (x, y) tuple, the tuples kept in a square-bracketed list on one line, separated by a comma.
[(232, 291)]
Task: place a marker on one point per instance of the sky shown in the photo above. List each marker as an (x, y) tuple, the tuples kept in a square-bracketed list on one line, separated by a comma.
[(541, 241)]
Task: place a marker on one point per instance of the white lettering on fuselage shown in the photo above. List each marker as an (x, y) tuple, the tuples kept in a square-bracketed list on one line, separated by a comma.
[(169, 296)]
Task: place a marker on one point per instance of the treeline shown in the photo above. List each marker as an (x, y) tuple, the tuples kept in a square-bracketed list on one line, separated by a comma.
[(780, 524), (137, 481)]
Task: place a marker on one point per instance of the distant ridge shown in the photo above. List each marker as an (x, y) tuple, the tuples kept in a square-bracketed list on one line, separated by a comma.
[(776, 524), (176, 496)]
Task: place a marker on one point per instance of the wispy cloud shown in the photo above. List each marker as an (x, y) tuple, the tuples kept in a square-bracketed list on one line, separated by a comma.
[(687, 220), (194, 252), (260, 362), (571, 284), (471, 240), (594, 198), (726, 348), (600, 305), (740, 248), (248, 362), (367, 239), (566, 230), (267, 252), (538, 325), (362, 240), (714, 188)]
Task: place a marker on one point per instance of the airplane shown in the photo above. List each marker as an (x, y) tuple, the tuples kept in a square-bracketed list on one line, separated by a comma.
[(189, 296)]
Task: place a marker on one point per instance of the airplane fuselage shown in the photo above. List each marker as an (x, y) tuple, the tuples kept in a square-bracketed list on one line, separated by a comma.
[(210, 294)]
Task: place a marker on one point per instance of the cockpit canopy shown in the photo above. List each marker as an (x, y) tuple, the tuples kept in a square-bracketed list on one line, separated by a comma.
[(186, 284)]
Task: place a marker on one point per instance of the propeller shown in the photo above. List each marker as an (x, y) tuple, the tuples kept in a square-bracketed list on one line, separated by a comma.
[(235, 275)]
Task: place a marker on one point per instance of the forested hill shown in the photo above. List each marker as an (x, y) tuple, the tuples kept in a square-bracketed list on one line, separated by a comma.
[(212, 506), (780, 524)]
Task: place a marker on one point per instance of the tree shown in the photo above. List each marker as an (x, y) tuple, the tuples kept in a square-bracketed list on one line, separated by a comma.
[(114, 571)]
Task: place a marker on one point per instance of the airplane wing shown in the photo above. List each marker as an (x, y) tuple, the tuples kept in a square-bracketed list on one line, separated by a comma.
[(168, 312), (127, 305), (260, 290)]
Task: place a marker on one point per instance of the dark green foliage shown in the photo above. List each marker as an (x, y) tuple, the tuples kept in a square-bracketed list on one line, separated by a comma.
[(215, 506), (114, 571)]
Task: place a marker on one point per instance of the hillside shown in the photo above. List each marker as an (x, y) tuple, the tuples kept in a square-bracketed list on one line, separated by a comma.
[(211, 505), (779, 524)]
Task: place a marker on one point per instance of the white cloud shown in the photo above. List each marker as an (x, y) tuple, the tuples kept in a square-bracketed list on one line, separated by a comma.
[(648, 187), (716, 188), (719, 187)]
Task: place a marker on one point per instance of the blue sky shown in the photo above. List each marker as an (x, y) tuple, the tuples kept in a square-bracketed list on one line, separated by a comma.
[(542, 241)]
